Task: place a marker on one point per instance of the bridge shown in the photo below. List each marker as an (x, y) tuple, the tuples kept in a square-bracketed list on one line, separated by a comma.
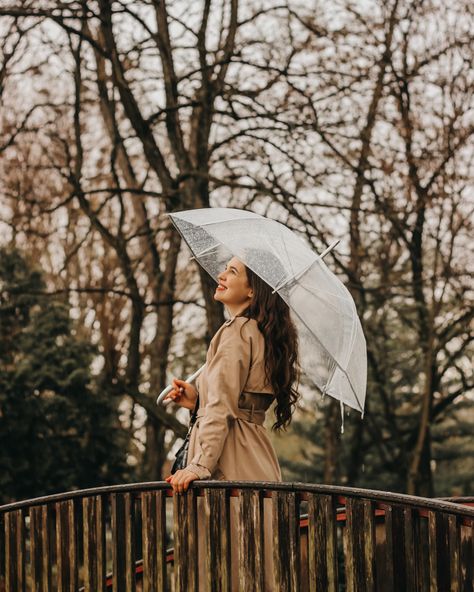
[(141, 537)]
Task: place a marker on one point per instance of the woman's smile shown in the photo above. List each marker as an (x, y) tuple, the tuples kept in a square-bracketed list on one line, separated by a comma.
[(233, 289)]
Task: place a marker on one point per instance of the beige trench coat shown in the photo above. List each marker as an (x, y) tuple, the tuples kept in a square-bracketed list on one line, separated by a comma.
[(229, 441)]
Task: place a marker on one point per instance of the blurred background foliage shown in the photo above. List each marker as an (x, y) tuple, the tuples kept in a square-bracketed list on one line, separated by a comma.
[(59, 427), (341, 119)]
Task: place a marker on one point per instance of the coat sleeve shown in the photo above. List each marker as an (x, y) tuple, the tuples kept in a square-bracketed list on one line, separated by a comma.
[(227, 375)]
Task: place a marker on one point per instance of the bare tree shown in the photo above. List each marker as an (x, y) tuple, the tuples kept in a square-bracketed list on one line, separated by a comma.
[(342, 121)]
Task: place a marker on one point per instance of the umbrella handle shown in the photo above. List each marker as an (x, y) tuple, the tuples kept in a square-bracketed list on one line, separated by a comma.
[(169, 388)]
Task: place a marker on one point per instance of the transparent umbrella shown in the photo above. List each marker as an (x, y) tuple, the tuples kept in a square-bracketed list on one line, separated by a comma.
[(331, 342)]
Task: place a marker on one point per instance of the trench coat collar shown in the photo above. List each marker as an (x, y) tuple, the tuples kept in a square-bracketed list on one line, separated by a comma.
[(232, 319)]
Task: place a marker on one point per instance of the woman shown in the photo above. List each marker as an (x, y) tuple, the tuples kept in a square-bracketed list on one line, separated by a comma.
[(252, 360)]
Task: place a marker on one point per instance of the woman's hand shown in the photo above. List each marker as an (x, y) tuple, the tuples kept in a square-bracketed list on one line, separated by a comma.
[(181, 480), (183, 394)]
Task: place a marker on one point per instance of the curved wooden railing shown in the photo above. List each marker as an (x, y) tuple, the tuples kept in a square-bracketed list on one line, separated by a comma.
[(325, 539)]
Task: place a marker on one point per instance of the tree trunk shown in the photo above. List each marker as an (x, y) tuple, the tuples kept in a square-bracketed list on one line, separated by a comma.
[(332, 438), (356, 456), (425, 485), (420, 466), (214, 310)]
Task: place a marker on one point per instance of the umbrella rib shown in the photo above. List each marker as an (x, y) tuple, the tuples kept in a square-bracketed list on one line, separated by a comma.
[(297, 276), (211, 248), (288, 258), (255, 216)]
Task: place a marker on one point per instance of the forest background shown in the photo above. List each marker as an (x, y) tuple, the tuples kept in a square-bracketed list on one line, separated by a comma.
[(343, 119)]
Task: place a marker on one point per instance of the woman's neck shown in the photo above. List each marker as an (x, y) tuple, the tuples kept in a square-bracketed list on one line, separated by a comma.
[(235, 311)]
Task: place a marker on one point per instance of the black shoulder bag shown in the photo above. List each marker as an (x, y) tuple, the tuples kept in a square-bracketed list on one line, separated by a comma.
[(181, 459)]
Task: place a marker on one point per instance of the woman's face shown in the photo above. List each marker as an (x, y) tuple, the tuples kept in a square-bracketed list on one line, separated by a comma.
[(234, 290)]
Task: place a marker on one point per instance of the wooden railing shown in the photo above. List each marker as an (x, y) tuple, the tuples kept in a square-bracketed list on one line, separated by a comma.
[(325, 539)]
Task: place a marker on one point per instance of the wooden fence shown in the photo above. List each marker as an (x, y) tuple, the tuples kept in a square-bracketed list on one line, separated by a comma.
[(325, 539)]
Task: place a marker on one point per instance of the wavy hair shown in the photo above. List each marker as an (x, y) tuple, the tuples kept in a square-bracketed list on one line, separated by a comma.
[(281, 347)]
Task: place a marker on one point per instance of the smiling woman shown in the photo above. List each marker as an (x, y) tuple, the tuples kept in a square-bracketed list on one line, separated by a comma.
[(251, 362), (234, 290)]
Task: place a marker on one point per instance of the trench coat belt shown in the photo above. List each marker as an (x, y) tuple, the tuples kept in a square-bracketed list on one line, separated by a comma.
[(252, 415)]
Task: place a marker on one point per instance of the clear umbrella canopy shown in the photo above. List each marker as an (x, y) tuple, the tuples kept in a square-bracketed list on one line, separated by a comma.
[(331, 342)]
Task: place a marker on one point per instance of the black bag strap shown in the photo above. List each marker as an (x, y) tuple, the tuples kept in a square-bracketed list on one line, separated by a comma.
[(192, 421)]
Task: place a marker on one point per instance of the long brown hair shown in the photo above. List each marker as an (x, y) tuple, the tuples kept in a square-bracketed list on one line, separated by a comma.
[(281, 347)]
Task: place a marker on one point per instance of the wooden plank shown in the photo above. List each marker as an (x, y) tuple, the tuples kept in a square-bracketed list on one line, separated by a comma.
[(130, 551), (185, 542), (295, 555), (467, 557), (153, 504), (413, 558), (93, 544), (9, 549), (100, 521), (368, 530), (36, 549), (66, 547), (438, 551), (304, 575), (217, 525), (286, 537), (251, 551), (322, 543), (89, 534), (47, 526), (353, 548), (433, 555), (395, 548), (360, 545), (2, 550), (123, 543), (423, 550), (454, 538), (349, 568), (161, 540), (15, 551), (226, 538)]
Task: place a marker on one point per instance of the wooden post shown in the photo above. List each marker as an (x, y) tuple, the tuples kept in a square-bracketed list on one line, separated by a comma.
[(154, 541), (15, 551), (322, 543), (454, 539), (40, 541), (360, 546), (286, 541), (467, 556), (94, 544), (66, 546), (251, 541), (438, 548), (217, 526), (123, 542), (395, 548), (185, 542), (412, 551)]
